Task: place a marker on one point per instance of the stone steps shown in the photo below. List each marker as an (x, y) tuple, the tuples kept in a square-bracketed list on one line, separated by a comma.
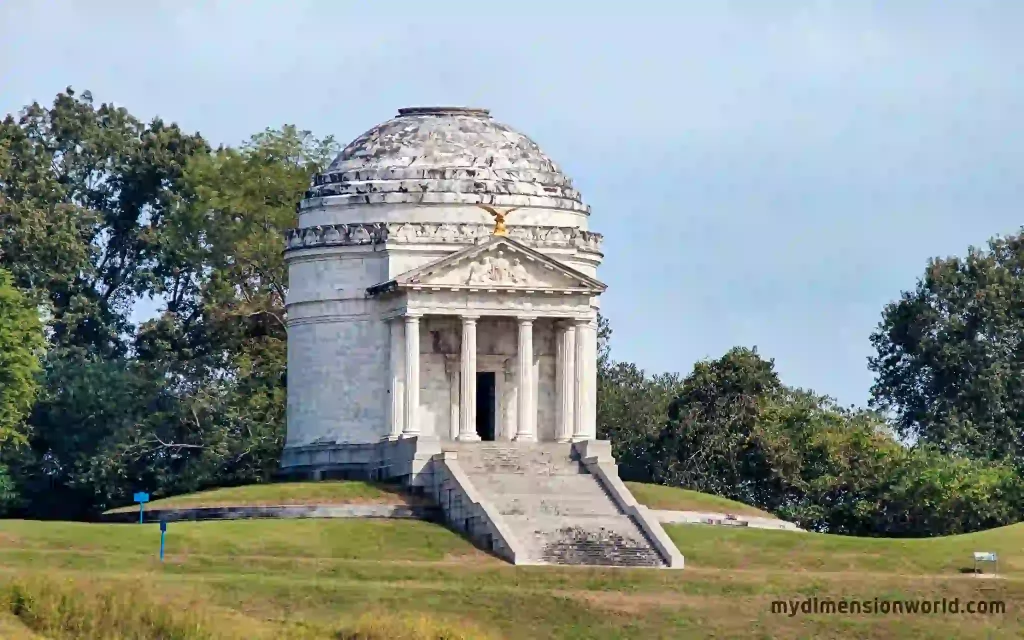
[(601, 554), (564, 505), (557, 511), (585, 540), (520, 483), (533, 460)]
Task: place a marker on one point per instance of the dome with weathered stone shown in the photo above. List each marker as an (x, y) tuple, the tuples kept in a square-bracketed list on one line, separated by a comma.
[(446, 155)]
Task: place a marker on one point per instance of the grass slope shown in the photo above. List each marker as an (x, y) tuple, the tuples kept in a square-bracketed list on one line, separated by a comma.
[(286, 493), (357, 492), (350, 578), (657, 496)]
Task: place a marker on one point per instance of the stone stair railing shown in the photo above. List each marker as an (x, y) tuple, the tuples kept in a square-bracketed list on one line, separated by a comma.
[(466, 511), (596, 456)]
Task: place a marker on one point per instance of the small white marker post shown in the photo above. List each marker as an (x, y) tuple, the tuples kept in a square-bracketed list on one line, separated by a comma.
[(986, 556)]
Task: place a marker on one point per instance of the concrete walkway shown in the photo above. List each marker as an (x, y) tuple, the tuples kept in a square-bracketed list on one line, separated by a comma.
[(722, 519)]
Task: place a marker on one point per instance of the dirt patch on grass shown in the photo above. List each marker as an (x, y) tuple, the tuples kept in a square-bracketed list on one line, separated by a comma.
[(629, 603)]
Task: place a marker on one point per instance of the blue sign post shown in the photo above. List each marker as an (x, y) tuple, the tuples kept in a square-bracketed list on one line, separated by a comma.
[(142, 498), (163, 533)]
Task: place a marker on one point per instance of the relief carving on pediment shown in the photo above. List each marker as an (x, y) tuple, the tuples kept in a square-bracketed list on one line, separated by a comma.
[(498, 270)]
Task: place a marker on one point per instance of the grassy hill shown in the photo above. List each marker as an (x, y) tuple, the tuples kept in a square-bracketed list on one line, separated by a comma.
[(355, 492), (672, 499), (407, 579), (286, 493)]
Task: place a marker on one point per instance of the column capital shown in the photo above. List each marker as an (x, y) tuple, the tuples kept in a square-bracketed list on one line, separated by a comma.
[(410, 317), (525, 319), (469, 317)]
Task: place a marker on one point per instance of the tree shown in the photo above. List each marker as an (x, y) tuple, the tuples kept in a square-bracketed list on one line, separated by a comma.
[(83, 202), (950, 354), (715, 439), (632, 408), (735, 430), (222, 338), (21, 344)]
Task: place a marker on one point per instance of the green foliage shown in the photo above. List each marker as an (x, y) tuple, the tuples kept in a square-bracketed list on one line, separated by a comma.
[(949, 357), (100, 210), (222, 339), (84, 201), (927, 492), (632, 408), (716, 440), (9, 497), (21, 345), (734, 430)]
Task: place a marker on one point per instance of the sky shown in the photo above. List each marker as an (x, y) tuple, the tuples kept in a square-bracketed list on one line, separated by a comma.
[(766, 174)]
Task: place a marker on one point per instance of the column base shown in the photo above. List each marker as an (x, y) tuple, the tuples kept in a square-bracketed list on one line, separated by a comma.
[(563, 440), (468, 437), (391, 437), (529, 437), (410, 434)]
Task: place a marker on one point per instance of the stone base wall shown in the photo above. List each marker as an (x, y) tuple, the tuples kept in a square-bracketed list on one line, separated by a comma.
[(406, 460)]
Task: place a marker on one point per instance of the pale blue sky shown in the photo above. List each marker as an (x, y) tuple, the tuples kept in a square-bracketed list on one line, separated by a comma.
[(765, 173)]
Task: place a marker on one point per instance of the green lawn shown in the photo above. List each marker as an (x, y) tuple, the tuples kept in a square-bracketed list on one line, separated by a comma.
[(325, 578), (287, 493), (672, 499), (358, 492), (754, 549)]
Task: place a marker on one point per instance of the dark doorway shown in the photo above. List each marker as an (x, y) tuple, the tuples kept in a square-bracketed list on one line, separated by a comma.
[(485, 405)]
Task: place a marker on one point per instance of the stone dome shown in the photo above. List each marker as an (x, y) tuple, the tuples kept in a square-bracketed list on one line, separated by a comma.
[(445, 155)]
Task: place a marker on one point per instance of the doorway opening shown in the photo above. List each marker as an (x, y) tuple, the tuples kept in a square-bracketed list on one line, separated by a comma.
[(485, 418)]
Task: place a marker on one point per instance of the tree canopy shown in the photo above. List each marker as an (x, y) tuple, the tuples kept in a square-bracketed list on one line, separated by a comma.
[(950, 354), (21, 345)]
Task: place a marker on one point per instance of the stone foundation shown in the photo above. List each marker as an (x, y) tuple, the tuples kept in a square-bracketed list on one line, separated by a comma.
[(406, 460)]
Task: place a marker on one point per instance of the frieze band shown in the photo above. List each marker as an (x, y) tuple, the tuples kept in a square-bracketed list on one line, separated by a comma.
[(374, 233)]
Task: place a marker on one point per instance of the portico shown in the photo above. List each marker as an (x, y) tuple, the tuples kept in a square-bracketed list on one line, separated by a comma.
[(527, 332), (516, 386)]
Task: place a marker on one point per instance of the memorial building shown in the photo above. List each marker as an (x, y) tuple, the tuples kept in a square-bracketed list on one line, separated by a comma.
[(442, 306)]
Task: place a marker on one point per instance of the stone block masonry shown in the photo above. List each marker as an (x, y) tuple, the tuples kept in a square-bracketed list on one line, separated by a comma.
[(554, 509)]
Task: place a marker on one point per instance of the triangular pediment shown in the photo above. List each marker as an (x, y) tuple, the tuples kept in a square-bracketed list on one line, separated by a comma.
[(497, 263)]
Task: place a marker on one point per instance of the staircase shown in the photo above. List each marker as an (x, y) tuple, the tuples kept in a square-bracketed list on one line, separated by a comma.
[(554, 509)]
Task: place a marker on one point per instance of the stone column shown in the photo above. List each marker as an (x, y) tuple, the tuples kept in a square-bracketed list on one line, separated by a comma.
[(510, 398), (451, 370), (412, 375), (527, 412), (580, 378), (565, 384), (396, 414), (467, 408), (590, 382)]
